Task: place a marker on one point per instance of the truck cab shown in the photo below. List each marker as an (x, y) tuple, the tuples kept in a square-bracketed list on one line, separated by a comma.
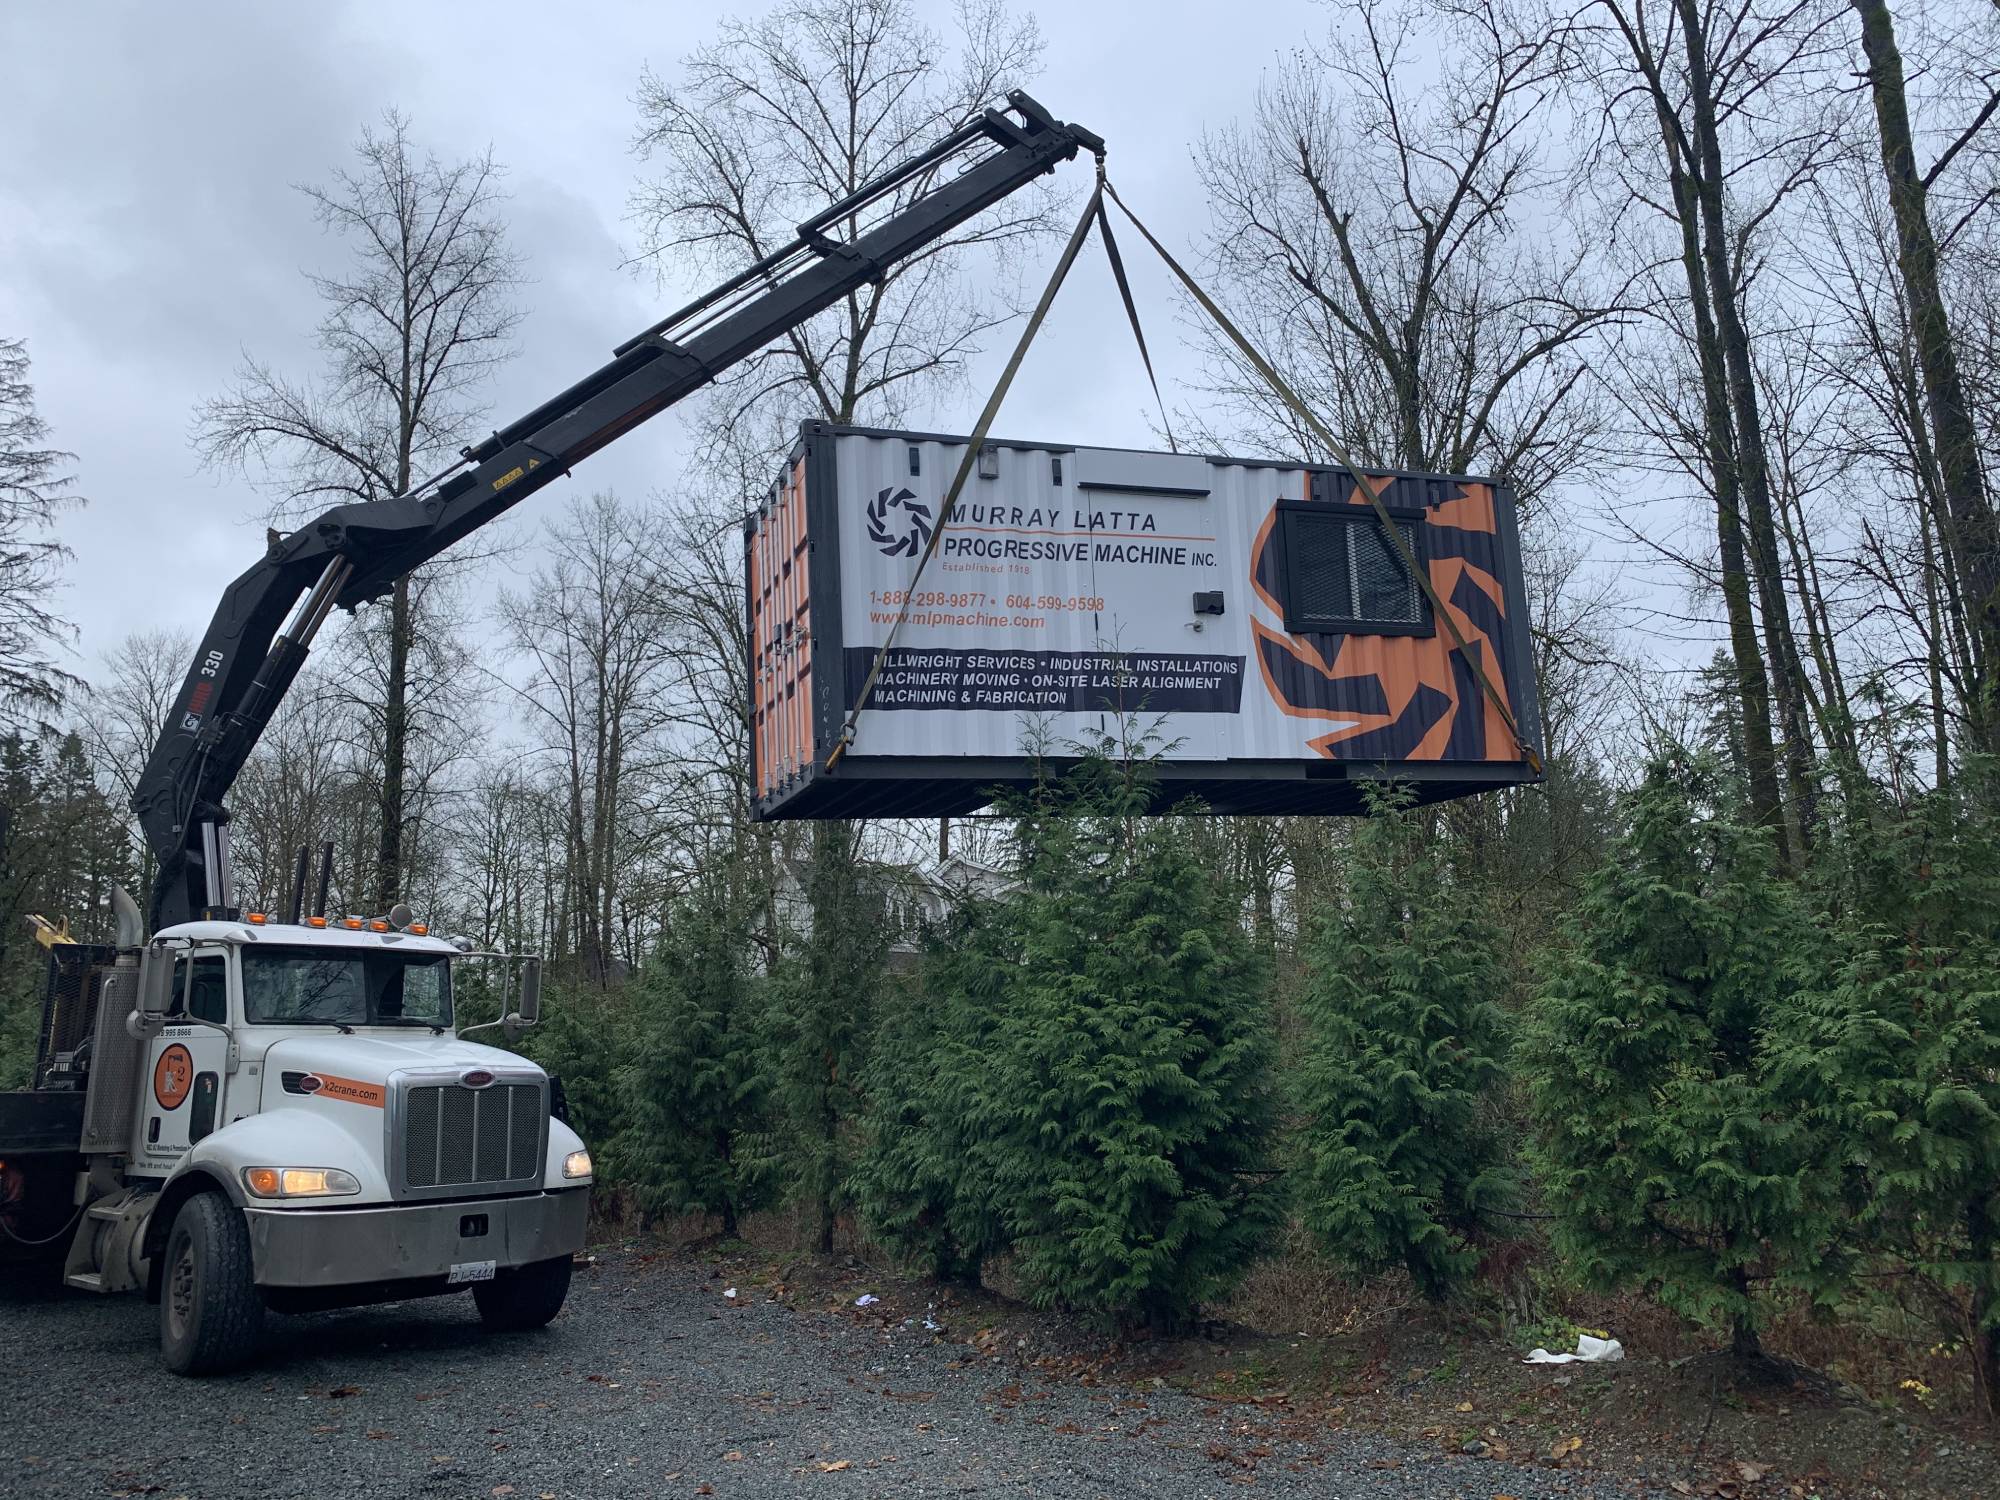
[(284, 1116)]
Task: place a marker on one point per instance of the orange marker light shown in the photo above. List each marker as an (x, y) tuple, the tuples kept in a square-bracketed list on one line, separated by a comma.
[(315, 921), (263, 1181), (353, 924), (378, 925), (255, 916), (419, 928)]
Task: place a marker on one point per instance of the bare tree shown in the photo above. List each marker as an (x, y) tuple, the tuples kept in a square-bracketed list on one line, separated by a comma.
[(592, 625), (418, 318), (1717, 118), (128, 708), (787, 113), (1384, 221), (1970, 529), (33, 492)]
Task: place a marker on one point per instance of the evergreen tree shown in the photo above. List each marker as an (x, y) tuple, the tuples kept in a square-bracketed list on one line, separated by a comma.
[(1100, 1096), (1399, 1153), (927, 1100), (1894, 1056), (580, 1042), (1660, 1149), (693, 1085), (823, 995), (62, 847)]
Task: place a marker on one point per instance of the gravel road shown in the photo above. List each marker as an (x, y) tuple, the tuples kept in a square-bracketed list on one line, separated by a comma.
[(650, 1383)]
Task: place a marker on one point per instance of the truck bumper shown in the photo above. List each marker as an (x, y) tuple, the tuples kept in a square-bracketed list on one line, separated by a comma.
[(322, 1247)]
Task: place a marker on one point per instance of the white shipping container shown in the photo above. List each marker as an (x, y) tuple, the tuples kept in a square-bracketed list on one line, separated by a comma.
[(1247, 621)]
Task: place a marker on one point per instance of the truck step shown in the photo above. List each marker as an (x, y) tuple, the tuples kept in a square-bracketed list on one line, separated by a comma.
[(85, 1281)]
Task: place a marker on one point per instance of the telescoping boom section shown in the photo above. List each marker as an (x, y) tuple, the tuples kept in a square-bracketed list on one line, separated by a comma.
[(268, 617)]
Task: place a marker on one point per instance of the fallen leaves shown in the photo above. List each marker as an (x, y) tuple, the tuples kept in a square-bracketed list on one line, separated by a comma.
[(834, 1466)]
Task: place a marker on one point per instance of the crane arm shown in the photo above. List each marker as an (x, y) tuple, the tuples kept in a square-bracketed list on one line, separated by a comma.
[(265, 624)]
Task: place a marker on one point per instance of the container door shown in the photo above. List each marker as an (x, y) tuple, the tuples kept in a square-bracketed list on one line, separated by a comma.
[(186, 1065)]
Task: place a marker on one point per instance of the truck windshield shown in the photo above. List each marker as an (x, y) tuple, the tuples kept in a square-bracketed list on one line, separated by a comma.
[(362, 987)]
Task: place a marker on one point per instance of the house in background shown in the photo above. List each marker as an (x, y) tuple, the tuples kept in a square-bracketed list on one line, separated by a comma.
[(909, 901)]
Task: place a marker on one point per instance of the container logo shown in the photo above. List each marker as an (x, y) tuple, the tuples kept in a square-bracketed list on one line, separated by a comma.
[(899, 523)]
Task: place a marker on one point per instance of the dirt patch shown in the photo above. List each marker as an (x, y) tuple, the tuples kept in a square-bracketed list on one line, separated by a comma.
[(1671, 1424)]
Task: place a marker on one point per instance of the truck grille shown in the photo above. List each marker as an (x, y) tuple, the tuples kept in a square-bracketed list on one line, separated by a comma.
[(456, 1137)]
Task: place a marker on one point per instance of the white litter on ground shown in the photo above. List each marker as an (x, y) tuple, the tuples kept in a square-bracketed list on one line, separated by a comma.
[(1588, 1351), (866, 1299), (730, 1294)]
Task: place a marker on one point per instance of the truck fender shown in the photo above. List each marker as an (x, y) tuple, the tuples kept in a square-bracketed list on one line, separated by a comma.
[(190, 1179), (562, 1141)]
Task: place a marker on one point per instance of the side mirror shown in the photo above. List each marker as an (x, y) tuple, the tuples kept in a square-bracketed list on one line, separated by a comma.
[(528, 1003), (156, 982)]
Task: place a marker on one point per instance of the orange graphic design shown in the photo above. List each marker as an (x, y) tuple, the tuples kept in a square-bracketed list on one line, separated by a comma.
[(1400, 697), (173, 1076)]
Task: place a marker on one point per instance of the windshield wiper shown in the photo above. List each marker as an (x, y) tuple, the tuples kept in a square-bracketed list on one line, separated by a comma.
[(437, 1027), (346, 1028)]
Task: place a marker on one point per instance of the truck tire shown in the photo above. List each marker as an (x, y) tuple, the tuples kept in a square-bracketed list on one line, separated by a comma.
[(211, 1315), (526, 1297)]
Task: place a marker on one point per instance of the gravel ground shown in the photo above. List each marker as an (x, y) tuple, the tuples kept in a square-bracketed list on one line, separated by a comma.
[(650, 1383)]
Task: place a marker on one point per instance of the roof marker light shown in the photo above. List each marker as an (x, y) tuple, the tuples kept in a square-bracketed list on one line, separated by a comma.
[(378, 925), (420, 928), (256, 917), (352, 924), (315, 921)]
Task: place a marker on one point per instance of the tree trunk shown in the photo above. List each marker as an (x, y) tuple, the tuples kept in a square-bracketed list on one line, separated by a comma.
[(1743, 1340), (1753, 687), (1752, 465), (395, 751), (1940, 733), (1982, 1233), (1971, 536)]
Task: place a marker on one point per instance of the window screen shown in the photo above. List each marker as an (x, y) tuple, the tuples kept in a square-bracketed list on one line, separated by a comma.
[(1343, 573)]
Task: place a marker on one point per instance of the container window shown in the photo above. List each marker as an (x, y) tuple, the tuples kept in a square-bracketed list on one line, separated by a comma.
[(916, 460), (1343, 573), (1055, 470)]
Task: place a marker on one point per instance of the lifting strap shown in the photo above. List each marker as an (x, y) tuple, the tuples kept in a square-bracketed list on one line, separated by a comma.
[(1131, 308), (1091, 210), (1305, 414)]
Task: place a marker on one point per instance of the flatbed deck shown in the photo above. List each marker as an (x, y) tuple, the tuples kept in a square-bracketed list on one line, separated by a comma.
[(38, 1120)]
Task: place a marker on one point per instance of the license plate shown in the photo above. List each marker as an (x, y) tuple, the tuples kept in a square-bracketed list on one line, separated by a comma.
[(470, 1270)]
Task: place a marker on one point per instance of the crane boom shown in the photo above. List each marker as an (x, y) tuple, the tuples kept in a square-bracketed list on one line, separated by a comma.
[(266, 621)]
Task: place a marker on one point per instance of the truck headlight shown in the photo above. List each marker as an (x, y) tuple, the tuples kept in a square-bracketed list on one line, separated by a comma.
[(300, 1182), (576, 1164)]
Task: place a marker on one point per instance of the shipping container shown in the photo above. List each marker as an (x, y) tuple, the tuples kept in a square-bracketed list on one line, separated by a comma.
[(1249, 619)]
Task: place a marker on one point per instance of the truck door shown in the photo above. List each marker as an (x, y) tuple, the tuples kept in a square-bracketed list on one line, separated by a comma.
[(186, 1065)]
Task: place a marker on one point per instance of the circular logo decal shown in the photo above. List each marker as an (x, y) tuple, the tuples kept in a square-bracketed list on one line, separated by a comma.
[(311, 1083), (899, 524), (173, 1076)]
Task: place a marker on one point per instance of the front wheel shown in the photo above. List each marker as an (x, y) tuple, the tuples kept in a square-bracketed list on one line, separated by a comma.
[(525, 1297), (211, 1315)]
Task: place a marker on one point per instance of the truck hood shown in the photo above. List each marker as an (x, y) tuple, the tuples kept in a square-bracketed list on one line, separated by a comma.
[(334, 1068)]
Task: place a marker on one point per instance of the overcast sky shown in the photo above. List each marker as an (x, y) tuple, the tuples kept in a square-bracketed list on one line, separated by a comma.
[(149, 232)]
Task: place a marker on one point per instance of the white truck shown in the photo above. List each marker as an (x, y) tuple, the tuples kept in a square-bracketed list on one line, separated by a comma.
[(280, 1115), (239, 1113)]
